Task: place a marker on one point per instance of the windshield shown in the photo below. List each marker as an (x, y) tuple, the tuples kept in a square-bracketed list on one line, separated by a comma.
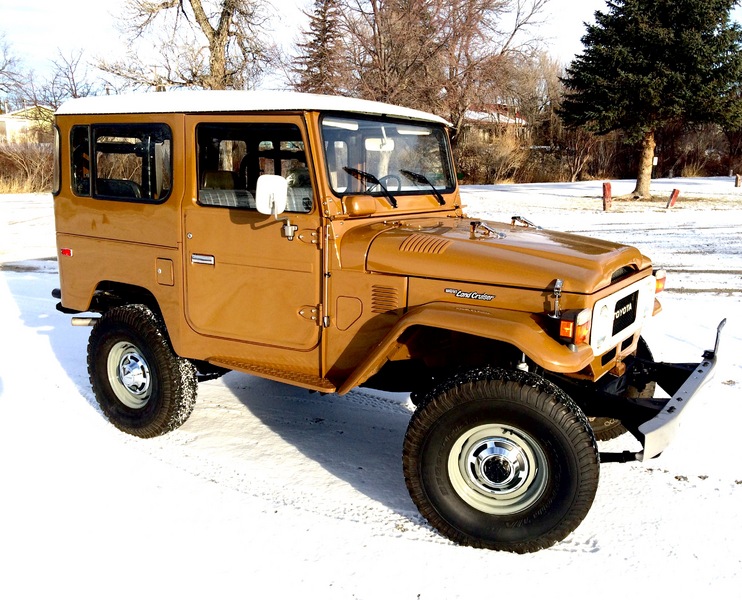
[(386, 158)]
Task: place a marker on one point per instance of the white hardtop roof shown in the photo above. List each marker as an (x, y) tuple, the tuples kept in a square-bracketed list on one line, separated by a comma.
[(233, 101)]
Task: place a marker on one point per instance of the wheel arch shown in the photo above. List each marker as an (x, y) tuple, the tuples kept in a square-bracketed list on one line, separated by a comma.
[(512, 328), (110, 294)]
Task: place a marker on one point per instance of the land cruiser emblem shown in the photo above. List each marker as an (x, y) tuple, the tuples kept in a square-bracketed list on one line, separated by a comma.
[(470, 295)]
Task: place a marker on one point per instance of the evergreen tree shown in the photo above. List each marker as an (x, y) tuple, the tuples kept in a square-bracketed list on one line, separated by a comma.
[(319, 67), (650, 63)]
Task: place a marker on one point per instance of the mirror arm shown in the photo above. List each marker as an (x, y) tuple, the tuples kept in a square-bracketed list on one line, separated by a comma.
[(289, 230)]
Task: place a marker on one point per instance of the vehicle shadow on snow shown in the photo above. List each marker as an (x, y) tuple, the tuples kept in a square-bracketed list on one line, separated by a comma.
[(357, 438), (30, 284)]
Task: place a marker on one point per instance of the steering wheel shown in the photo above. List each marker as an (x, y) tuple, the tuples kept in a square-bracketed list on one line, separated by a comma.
[(395, 178)]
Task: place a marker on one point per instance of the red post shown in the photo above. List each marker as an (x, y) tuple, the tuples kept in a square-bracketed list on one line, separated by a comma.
[(607, 201), (673, 198)]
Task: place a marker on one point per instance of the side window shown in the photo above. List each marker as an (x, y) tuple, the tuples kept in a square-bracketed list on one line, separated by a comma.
[(80, 141), (132, 162), (231, 157), (56, 173)]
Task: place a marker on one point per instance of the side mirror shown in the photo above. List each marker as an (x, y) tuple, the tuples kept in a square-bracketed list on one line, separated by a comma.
[(271, 195)]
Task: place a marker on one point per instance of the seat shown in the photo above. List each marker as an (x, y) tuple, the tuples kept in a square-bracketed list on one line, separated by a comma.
[(219, 188), (218, 180), (118, 188)]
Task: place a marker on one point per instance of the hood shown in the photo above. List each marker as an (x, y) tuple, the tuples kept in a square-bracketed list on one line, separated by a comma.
[(525, 257)]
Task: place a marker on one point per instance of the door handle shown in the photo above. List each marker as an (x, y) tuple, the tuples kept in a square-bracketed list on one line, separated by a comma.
[(202, 259)]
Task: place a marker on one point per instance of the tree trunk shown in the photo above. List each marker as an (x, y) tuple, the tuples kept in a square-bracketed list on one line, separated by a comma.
[(644, 178)]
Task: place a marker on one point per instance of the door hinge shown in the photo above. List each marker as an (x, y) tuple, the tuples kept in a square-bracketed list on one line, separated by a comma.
[(309, 236), (311, 313)]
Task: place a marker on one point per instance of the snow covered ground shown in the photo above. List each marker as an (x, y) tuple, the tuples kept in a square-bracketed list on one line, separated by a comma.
[(273, 492)]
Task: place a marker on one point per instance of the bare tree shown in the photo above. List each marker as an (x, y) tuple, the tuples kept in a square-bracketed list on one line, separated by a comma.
[(9, 67), (487, 41), (447, 56), (211, 44), (68, 78), (394, 49), (535, 92)]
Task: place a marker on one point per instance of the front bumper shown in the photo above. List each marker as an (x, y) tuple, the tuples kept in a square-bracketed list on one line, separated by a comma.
[(682, 382), (659, 431), (652, 421)]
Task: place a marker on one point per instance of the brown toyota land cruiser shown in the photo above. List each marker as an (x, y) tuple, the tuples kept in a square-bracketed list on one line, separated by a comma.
[(321, 241)]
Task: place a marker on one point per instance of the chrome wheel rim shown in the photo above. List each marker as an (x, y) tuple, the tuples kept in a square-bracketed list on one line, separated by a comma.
[(130, 375), (498, 469)]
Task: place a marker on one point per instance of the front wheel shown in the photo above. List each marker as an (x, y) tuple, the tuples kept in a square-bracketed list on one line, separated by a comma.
[(502, 460), (140, 384)]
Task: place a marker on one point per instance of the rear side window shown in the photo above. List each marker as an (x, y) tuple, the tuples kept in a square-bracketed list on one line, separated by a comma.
[(56, 174), (131, 162), (80, 143)]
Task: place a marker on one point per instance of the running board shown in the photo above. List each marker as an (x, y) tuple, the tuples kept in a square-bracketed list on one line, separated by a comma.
[(276, 373)]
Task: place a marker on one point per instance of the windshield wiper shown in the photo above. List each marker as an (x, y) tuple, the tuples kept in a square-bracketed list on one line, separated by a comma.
[(418, 178), (372, 179)]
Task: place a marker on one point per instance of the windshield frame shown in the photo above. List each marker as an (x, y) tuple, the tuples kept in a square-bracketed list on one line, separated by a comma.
[(348, 125)]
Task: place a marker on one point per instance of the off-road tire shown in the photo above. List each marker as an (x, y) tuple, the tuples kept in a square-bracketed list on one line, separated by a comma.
[(141, 385), (606, 428), (477, 430)]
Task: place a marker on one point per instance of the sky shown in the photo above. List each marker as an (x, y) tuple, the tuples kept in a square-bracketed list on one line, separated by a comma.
[(37, 29)]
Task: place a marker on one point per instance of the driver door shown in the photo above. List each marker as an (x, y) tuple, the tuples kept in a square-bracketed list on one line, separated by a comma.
[(245, 280)]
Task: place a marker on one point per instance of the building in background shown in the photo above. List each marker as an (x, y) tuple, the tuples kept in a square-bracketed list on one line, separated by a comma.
[(32, 125)]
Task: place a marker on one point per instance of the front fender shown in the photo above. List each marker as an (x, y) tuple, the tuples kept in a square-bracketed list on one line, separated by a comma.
[(516, 328)]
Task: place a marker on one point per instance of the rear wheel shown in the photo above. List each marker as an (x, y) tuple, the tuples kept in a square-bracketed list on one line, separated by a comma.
[(502, 460), (141, 385)]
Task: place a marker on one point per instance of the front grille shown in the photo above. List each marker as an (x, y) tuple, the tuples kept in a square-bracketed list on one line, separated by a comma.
[(621, 273), (625, 312)]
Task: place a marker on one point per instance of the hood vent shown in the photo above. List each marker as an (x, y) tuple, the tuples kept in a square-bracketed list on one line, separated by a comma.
[(384, 299), (425, 244)]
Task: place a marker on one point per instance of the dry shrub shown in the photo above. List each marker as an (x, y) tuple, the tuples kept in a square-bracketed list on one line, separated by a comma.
[(543, 165), (25, 168), (486, 162)]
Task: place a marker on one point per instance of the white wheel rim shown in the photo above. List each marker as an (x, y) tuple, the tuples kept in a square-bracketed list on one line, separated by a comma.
[(130, 375), (498, 469)]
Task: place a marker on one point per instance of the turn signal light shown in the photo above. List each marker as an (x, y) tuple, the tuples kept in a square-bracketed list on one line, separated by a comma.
[(574, 326), (660, 277)]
